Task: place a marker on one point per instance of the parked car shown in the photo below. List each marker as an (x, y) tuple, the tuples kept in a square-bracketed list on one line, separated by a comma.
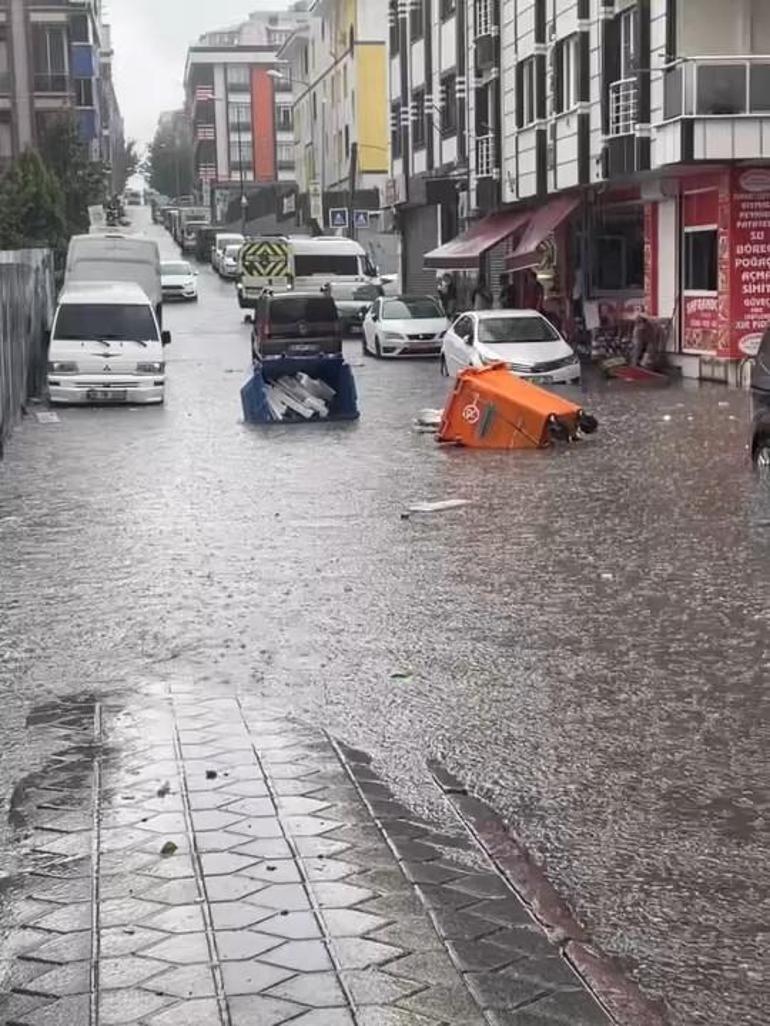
[(106, 346), (405, 326), (760, 399), (221, 241), (115, 257), (524, 339), (296, 324), (229, 261), (178, 280)]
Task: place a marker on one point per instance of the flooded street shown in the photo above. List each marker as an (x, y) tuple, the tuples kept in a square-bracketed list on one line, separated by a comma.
[(585, 643)]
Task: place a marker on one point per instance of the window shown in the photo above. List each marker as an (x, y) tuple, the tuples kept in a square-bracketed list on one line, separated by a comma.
[(407, 309), (395, 130), (448, 8), (239, 114), (416, 20), (527, 90), (84, 92), (240, 153), (516, 329), (566, 73), (464, 328), (326, 264), (347, 141), (449, 104), (418, 119), (79, 28), (700, 260), (618, 249), (284, 118), (49, 49), (238, 76), (284, 154), (627, 20), (395, 28)]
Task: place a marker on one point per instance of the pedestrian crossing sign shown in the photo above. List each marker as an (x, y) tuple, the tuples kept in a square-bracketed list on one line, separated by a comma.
[(338, 217)]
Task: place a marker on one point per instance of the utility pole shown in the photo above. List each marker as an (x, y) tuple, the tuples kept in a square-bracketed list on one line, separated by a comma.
[(244, 201), (353, 176)]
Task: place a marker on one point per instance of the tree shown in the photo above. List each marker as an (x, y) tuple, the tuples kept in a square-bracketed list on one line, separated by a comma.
[(83, 181), (125, 164), (32, 207), (169, 163)]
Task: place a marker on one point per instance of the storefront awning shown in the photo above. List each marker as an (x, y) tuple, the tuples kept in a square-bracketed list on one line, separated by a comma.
[(467, 249), (543, 222)]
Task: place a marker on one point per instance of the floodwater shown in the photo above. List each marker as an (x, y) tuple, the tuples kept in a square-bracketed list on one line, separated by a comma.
[(586, 643)]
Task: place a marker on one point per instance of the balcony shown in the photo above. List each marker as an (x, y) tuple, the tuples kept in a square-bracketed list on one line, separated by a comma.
[(624, 103), (714, 108), (47, 83), (204, 133), (207, 172), (717, 87), (485, 30), (486, 156)]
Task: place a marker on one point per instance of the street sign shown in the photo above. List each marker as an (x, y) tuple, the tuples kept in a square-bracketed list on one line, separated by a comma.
[(338, 217), (316, 202), (362, 219), (268, 258)]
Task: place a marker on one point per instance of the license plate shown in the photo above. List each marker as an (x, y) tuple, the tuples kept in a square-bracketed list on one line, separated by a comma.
[(541, 379), (107, 395)]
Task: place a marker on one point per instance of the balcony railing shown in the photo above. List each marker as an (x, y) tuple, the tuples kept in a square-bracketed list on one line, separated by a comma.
[(484, 17), (624, 102), (485, 156), (730, 86), (207, 172), (45, 83), (205, 132)]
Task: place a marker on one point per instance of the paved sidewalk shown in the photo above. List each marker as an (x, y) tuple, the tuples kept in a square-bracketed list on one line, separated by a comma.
[(198, 863)]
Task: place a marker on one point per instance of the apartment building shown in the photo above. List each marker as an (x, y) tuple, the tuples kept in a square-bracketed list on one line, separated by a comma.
[(337, 62), (52, 58), (239, 105), (618, 150)]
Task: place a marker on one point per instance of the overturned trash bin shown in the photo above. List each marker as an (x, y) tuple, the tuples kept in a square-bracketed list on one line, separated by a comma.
[(490, 408), (295, 389)]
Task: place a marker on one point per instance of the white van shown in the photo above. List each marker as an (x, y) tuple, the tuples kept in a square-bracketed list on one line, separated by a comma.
[(115, 257), (308, 265), (221, 241), (106, 346)]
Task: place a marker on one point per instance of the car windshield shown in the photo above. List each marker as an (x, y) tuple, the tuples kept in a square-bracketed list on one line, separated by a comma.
[(98, 322), (232, 252), (175, 269), (515, 329), (406, 309), (290, 311)]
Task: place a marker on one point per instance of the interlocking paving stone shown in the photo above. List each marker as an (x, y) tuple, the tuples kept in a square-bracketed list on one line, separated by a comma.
[(285, 898)]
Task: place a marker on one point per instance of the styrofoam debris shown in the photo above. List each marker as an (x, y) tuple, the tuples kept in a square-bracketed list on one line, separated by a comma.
[(429, 418), (47, 417), (438, 507), (299, 395)]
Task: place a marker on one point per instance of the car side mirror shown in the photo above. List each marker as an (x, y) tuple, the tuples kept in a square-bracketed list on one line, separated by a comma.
[(165, 338), (468, 340)]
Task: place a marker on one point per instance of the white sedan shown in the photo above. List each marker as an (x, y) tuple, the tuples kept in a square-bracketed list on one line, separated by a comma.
[(178, 280), (523, 339), (404, 326)]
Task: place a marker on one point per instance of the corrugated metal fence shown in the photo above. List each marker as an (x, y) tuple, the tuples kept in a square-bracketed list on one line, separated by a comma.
[(27, 295)]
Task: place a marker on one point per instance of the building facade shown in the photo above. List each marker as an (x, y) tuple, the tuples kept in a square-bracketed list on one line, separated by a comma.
[(239, 106), (337, 63), (617, 149), (51, 60)]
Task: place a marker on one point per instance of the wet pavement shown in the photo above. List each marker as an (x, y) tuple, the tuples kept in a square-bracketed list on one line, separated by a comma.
[(585, 644)]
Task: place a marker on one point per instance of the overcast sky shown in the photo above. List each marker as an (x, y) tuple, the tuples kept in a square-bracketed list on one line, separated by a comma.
[(151, 39)]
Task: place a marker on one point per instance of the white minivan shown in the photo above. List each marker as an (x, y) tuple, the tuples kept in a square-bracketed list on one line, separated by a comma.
[(106, 346), (115, 257)]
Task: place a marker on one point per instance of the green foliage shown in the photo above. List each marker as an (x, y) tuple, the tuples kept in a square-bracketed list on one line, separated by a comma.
[(83, 181), (32, 206), (169, 163), (125, 164)]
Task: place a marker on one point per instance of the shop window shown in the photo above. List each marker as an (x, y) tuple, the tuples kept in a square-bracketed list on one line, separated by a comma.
[(618, 249), (449, 104), (700, 260)]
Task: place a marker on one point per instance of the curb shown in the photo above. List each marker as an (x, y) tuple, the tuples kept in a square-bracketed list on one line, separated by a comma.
[(622, 998)]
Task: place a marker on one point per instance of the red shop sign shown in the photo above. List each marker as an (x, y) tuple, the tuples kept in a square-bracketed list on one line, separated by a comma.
[(750, 284), (701, 323)]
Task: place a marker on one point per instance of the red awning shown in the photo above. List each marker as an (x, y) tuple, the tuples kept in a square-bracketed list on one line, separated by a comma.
[(543, 222), (466, 250)]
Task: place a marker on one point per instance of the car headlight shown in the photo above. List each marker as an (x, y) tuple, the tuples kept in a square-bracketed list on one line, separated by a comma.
[(158, 367), (519, 368), (62, 367)]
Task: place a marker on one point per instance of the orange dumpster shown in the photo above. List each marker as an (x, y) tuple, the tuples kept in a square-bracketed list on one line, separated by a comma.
[(490, 408)]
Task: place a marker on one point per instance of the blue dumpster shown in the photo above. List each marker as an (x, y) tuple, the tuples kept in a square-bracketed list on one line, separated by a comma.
[(331, 370)]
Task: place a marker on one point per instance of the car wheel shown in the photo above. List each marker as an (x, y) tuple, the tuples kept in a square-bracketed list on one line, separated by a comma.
[(377, 347), (444, 368), (364, 344)]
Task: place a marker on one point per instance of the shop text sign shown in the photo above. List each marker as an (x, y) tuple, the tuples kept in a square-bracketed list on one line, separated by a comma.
[(750, 286), (701, 323)]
